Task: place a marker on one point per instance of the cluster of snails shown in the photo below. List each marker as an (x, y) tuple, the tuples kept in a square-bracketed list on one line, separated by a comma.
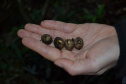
[(59, 43)]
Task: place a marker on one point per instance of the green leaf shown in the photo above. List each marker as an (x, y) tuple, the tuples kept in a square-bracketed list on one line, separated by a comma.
[(89, 17), (24, 50), (86, 11), (18, 52), (94, 19), (70, 14), (100, 10), (59, 10), (13, 31)]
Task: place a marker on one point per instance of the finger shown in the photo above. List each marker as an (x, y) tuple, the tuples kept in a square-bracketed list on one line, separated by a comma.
[(24, 33), (46, 51), (76, 67), (57, 25), (39, 30)]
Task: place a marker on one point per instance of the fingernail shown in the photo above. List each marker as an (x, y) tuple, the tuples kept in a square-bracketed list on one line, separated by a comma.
[(59, 64)]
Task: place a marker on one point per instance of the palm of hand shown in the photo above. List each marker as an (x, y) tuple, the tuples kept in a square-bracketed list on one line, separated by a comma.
[(100, 51)]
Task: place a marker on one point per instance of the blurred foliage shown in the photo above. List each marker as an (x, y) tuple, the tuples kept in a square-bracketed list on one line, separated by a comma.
[(94, 18), (19, 65)]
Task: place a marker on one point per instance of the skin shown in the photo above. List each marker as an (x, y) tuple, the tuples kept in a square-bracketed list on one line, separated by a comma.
[(99, 53)]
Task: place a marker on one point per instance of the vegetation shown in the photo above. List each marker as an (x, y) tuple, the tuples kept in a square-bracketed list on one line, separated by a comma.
[(19, 65)]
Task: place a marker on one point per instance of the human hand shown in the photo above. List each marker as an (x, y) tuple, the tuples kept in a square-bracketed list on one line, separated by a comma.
[(99, 53)]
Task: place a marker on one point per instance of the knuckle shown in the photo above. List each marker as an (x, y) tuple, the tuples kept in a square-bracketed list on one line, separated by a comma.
[(64, 25), (53, 33), (55, 24)]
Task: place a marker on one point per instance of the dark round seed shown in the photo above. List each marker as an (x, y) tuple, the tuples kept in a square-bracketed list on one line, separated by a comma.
[(78, 43), (59, 43), (69, 44), (46, 38)]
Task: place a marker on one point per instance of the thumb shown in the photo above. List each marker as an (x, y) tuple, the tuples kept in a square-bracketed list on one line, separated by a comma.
[(63, 62), (78, 67), (68, 65)]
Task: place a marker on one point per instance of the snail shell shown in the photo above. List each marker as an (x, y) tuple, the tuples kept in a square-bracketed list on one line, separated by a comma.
[(78, 43), (69, 44), (59, 43), (46, 38)]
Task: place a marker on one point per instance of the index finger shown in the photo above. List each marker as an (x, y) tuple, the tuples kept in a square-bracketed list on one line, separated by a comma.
[(41, 30), (58, 25)]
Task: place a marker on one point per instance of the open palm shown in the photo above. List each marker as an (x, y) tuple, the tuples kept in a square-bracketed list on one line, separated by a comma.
[(99, 53)]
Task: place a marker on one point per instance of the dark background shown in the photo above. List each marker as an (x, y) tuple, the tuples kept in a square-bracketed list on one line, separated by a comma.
[(19, 65)]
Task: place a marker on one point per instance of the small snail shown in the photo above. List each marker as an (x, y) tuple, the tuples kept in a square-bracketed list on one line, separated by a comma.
[(59, 43), (46, 38), (78, 43), (69, 44)]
